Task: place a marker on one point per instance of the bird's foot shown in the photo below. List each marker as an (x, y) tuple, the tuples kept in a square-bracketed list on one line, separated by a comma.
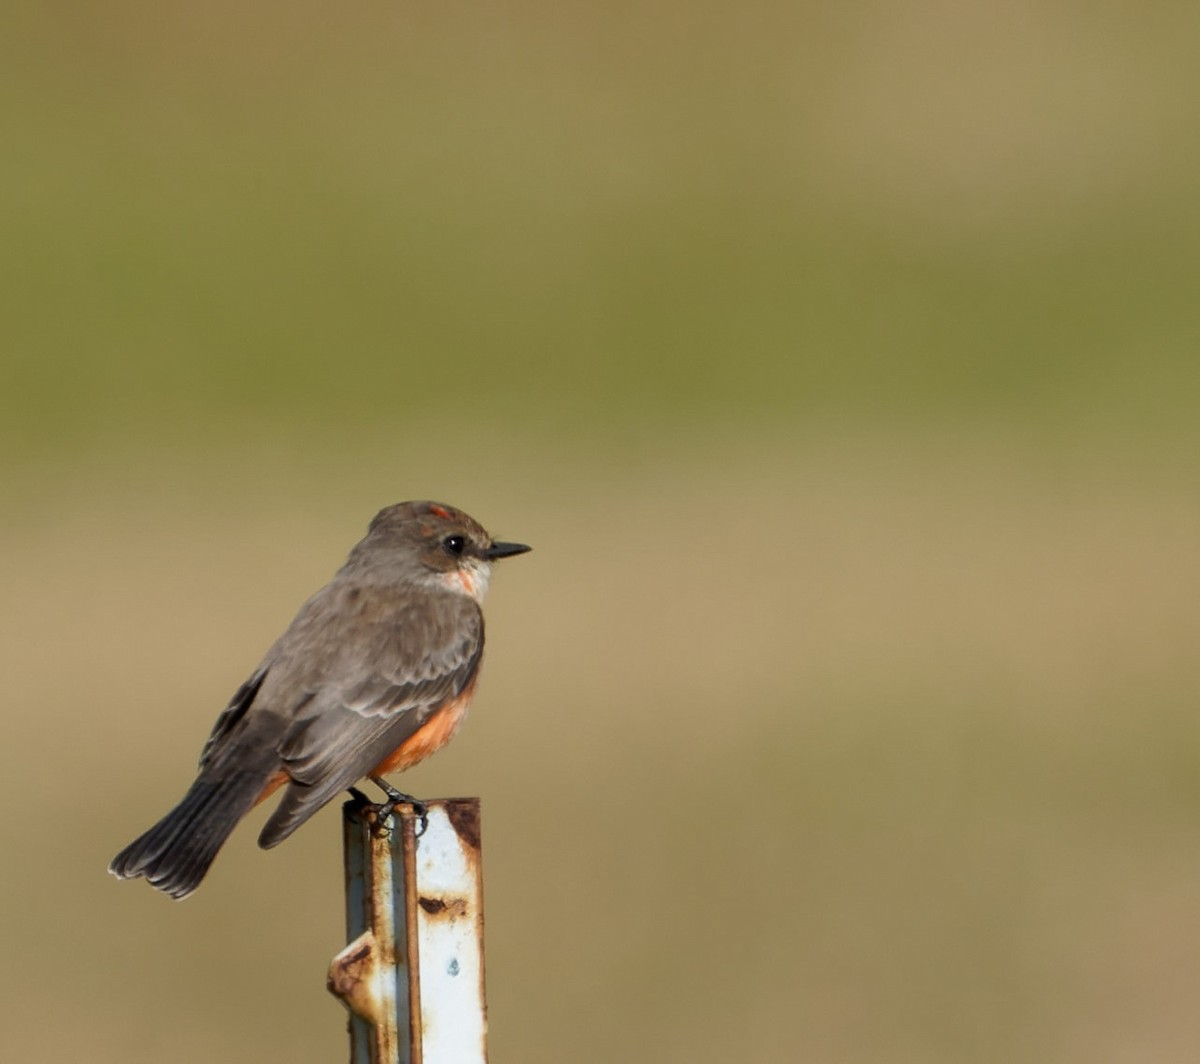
[(395, 798)]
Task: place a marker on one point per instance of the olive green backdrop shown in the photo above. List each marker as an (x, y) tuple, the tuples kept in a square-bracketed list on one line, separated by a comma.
[(840, 363)]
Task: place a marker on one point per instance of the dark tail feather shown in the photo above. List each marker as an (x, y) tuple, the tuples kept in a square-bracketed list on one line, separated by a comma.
[(175, 854)]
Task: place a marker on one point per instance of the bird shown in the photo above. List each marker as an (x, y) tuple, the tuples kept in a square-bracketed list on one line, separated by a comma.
[(374, 674)]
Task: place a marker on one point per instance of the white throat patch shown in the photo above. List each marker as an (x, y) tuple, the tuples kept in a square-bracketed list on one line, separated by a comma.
[(471, 579)]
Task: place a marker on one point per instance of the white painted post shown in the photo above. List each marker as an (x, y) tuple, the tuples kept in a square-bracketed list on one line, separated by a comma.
[(412, 975)]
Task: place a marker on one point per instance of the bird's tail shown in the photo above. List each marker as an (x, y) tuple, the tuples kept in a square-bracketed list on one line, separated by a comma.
[(175, 854)]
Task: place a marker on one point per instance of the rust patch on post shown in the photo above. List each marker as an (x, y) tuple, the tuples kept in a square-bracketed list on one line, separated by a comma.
[(463, 814), (353, 977), (452, 908)]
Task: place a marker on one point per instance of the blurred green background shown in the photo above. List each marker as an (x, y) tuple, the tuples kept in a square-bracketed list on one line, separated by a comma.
[(839, 362)]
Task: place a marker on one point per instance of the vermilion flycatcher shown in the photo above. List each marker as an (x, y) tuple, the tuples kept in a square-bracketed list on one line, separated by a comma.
[(373, 675)]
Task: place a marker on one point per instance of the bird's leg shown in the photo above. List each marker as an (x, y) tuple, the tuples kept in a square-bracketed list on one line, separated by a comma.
[(395, 798)]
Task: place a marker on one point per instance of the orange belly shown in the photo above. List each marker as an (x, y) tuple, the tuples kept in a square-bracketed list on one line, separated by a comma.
[(428, 739)]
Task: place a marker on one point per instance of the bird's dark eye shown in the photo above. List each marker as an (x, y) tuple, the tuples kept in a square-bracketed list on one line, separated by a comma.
[(454, 544)]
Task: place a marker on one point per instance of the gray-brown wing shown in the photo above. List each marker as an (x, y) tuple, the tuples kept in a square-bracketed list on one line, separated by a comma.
[(232, 713), (379, 689)]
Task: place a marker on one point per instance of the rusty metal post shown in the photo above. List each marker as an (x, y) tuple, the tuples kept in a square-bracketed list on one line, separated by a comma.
[(412, 975)]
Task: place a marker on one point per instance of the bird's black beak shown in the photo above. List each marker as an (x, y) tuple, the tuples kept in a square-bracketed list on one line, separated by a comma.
[(505, 550)]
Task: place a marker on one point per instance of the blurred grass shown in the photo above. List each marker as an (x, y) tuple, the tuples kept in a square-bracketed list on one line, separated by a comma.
[(839, 364), (225, 222)]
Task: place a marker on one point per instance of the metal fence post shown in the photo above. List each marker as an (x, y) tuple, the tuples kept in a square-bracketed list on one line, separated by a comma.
[(412, 975)]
